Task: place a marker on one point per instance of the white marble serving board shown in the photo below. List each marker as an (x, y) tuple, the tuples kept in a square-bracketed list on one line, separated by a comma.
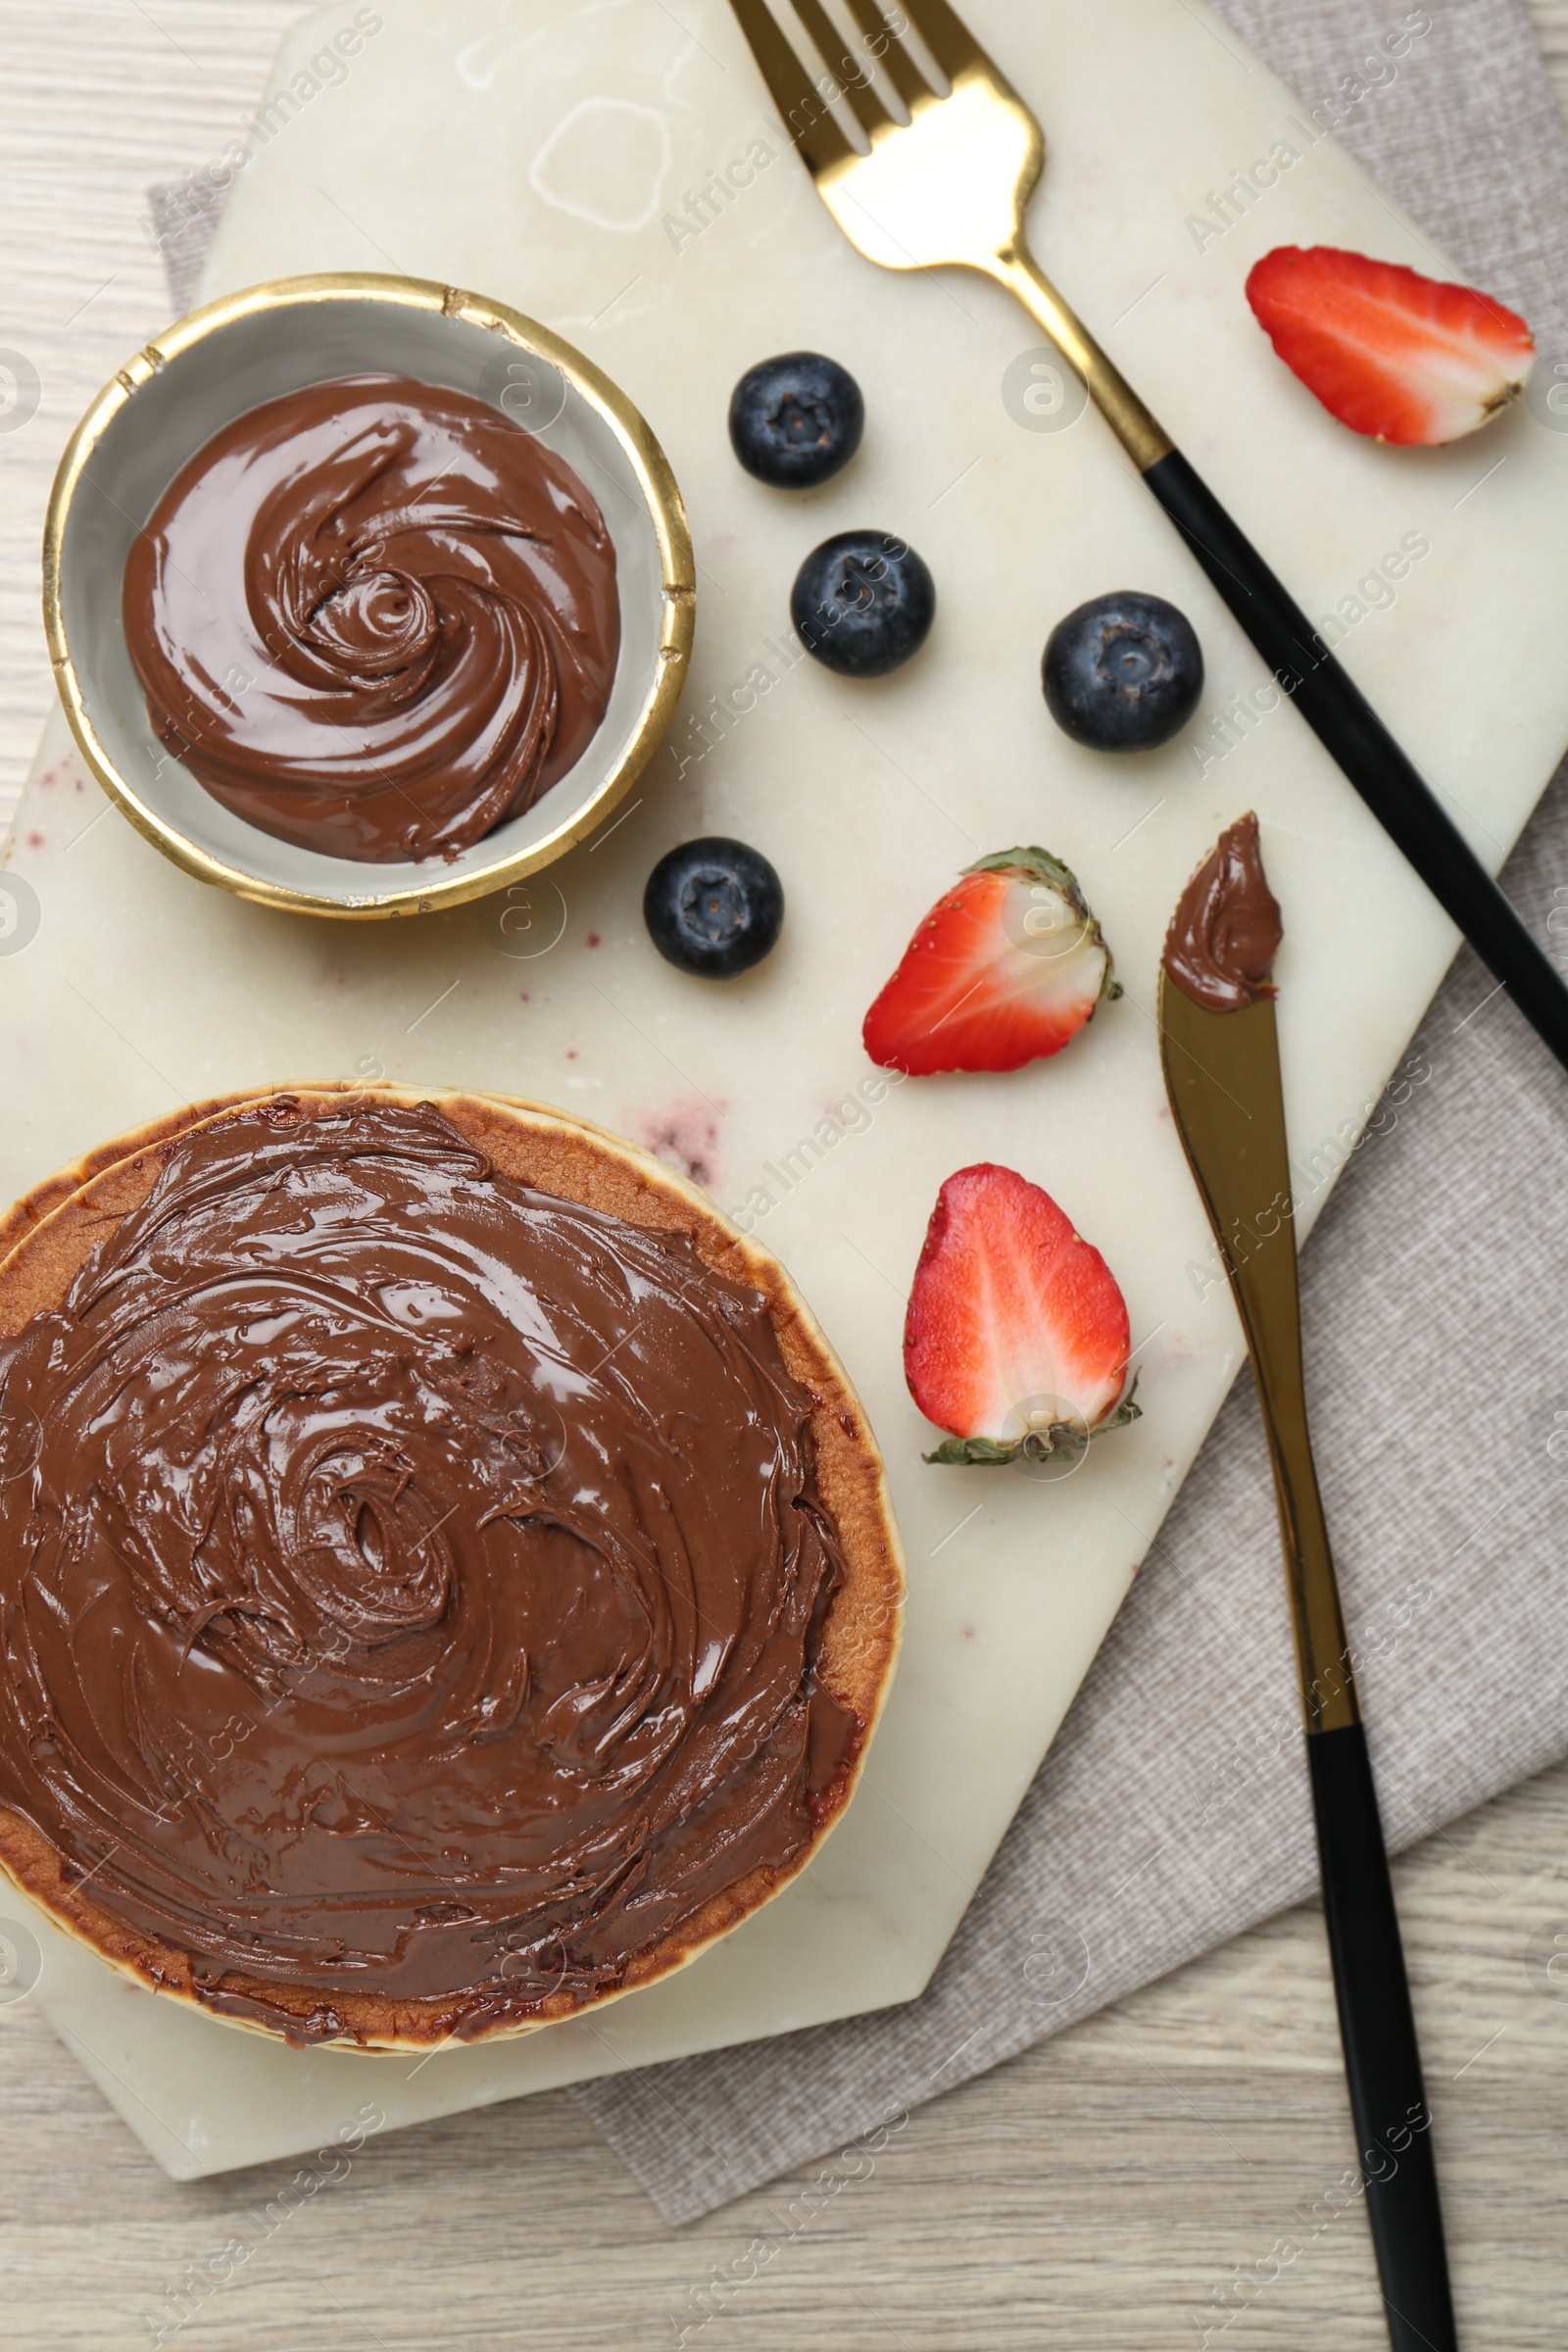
[(546, 155)]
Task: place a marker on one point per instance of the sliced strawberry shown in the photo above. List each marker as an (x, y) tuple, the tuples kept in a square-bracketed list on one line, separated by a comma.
[(1406, 357), (1004, 969), (1016, 1335)]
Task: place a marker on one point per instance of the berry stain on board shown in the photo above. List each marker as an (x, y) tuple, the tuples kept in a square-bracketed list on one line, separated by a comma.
[(685, 1137)]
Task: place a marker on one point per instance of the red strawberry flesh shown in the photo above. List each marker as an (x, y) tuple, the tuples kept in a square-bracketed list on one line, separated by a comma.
[(1004, 969), (1390, 353), (1011, 1313)]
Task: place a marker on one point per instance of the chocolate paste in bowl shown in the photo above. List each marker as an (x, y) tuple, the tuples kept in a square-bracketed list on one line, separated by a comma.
[(375, 619)]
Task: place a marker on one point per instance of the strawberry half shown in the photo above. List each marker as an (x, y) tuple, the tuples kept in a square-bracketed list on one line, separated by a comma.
[(1004, 969), (1016, 1337), (1389, 352)]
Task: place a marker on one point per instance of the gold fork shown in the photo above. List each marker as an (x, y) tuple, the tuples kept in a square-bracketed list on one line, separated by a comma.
[(948, 188)]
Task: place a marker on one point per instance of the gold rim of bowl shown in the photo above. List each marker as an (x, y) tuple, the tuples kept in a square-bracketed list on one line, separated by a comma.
[(661, 493)]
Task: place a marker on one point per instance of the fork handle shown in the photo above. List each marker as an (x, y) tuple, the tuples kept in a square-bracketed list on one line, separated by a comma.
[(1382, 2059), (1350, 730), (1134, 425)]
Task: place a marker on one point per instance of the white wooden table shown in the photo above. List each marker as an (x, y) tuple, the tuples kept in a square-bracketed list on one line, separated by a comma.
[(1103, 2190)]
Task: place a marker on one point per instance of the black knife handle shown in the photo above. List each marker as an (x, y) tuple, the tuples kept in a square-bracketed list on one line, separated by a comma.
[(1382, 2059), (1347, 725)]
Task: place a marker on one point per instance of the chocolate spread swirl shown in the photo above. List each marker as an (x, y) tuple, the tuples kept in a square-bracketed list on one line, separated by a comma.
[(1226, 931), (375, 619), (418, 1587)]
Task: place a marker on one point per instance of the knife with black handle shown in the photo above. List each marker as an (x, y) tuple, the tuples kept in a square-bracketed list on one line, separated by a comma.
[(1222, 1075)]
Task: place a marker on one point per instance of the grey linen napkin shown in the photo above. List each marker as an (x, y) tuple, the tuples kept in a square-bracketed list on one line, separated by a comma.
[(1174, 1810)]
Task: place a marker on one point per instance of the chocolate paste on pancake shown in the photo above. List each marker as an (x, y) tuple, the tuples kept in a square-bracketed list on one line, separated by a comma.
[(1226, 931), (375, 619), (418, 1587)]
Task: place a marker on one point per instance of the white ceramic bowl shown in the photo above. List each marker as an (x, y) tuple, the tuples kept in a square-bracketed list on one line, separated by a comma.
[(273, 338)]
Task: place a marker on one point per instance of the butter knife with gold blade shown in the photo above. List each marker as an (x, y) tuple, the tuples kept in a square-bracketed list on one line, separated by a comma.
[(1220, 1052)]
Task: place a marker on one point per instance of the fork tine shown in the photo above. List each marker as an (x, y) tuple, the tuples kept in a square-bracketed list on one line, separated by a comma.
[(859, 97), (897, 63), (804, 108), (945, 34)]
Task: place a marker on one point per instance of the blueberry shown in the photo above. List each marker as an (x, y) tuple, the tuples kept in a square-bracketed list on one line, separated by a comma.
[(795, 420), (713, 908), (1123, 673), (863, 603)]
